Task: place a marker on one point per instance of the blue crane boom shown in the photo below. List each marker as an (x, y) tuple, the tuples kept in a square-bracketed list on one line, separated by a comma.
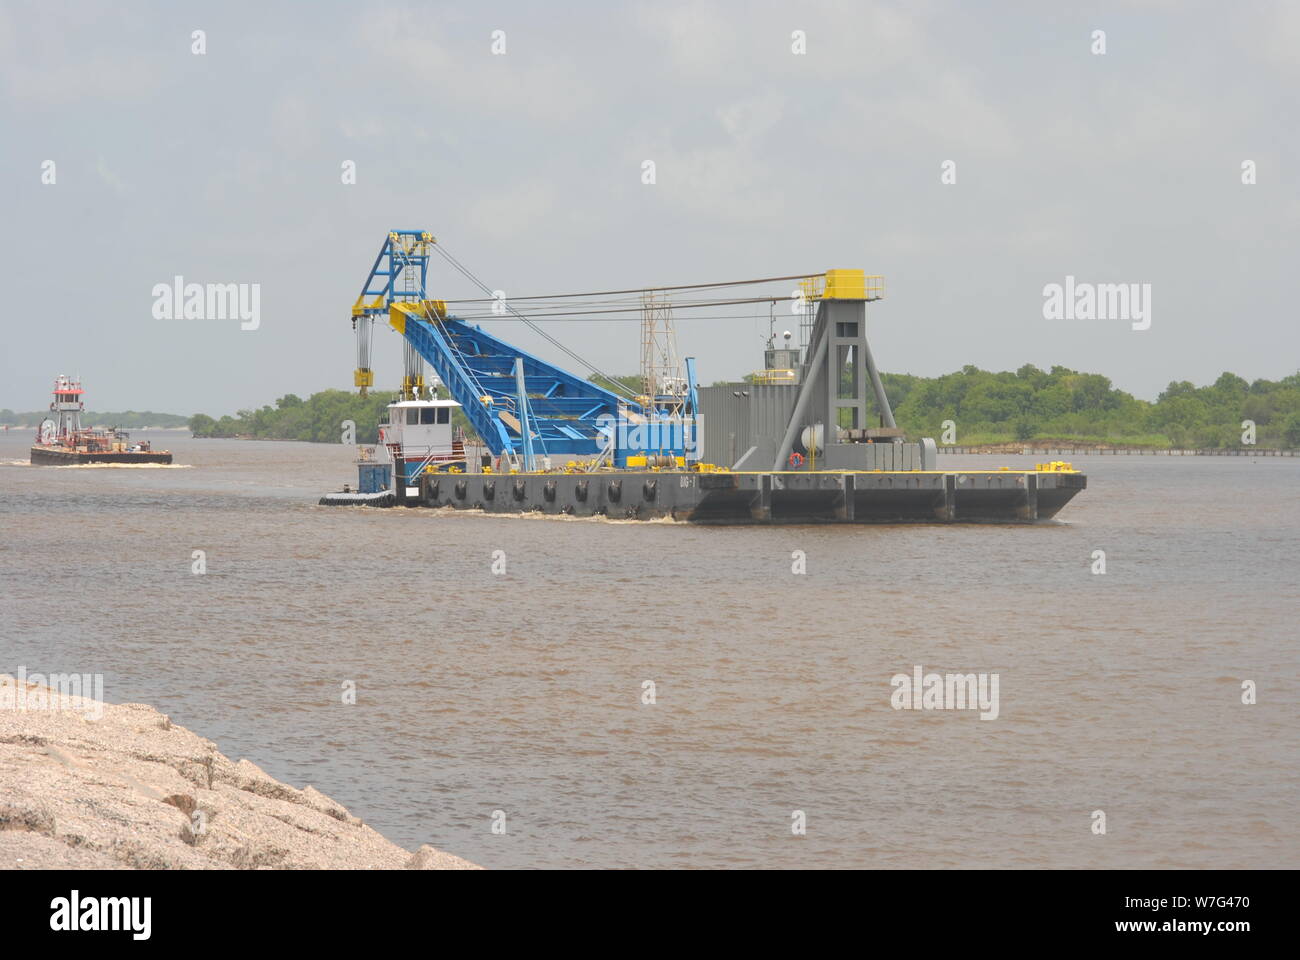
[(555, 412), (564, 411)]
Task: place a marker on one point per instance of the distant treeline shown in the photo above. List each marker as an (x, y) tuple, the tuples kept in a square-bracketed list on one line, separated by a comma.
[(319, 418), (1027, 405), (1032, 404), (1063, 404), (126, 419)]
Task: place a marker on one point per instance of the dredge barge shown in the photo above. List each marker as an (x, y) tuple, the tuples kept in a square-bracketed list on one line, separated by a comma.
[(724, 496), (790, 444), (65, 442)]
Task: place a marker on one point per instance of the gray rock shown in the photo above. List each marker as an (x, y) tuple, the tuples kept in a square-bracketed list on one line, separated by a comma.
[(427, 858), (126, 789)]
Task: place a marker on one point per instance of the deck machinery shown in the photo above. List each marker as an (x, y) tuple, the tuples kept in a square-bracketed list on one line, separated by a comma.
[(816, 442)]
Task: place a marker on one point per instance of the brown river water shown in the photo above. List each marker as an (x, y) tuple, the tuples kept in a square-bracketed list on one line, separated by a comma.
[(522, 691)]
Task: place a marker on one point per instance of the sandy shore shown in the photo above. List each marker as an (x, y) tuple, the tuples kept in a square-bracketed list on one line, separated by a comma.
[(119, 786)]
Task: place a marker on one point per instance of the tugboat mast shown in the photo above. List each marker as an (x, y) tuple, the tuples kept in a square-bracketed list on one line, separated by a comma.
[(68, 405)]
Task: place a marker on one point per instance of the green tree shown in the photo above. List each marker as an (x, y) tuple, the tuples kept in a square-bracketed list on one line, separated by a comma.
[(622, 385), (1061, 403), (1291, 430)]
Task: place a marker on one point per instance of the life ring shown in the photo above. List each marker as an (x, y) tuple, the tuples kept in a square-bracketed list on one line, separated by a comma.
[(796, 460)]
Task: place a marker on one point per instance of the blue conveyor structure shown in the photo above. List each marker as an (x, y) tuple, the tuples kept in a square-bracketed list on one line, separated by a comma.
[(564, 411), (565, 415)]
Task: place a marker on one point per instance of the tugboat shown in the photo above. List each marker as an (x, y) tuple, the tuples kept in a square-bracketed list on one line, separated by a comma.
[(65, 442), (416, 437)]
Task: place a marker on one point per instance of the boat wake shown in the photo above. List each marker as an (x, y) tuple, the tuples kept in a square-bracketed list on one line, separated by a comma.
[(560, 517), (98, 466)]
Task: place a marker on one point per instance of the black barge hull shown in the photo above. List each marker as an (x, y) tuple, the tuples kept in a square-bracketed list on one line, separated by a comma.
[(44, 456), (737, 498)]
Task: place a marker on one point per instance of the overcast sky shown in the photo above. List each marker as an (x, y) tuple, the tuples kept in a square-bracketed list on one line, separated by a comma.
[(226, 168)]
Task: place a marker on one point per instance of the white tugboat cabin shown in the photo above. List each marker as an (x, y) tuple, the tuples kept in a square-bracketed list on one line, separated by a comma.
[(417, 436)]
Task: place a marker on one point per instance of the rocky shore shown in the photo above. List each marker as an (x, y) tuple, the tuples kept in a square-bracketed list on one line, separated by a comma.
[(119, 786)]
